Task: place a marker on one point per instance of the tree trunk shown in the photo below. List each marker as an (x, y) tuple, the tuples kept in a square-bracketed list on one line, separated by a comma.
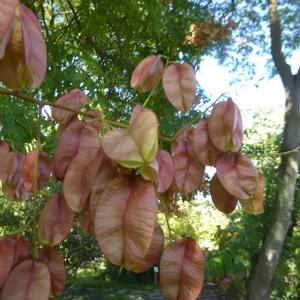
[(259, 284)]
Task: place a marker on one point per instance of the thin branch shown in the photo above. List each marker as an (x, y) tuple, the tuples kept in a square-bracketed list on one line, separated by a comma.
[(35, 185), (289, 151), (162, 201), (44, 20), (65, 29), (74, 13), (22, 229), (89, 37), (283, 68), (41, 103)]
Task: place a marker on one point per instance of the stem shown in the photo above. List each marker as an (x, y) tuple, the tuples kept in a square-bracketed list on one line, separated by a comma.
[(35, 186), (162, 201), (166, 139), (276, 154), (42, 103), (289, 151), (20, 230)]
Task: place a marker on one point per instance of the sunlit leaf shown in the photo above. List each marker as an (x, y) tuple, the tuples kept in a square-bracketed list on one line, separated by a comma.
[(254, 205)]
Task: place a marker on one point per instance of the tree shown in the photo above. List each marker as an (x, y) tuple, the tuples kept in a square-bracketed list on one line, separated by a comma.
[(260, 283)]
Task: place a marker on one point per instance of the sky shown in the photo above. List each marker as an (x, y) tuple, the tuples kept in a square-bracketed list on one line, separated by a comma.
[(252, 95)]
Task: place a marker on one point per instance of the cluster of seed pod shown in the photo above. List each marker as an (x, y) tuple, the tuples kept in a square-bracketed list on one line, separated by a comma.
[(116, 178)]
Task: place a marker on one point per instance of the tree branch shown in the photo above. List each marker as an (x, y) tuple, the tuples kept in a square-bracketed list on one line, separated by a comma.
[(283, 68), (41, 103), (44, 20), (74, 13), (298, 77), (89, 37)]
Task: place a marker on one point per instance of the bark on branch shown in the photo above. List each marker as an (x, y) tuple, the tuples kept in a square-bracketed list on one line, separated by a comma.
[(260, 282), (282, 67)]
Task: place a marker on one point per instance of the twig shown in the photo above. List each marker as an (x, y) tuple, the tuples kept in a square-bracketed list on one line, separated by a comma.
[(274, 154), (41, 103), (289, 151), (35, 185), (162, 201), (22, 229)]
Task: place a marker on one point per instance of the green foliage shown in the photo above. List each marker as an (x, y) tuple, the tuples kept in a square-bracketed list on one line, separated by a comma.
[(196, 218), (238, 245), (80, 251), (100, 43), (287, 280), (11, 216)]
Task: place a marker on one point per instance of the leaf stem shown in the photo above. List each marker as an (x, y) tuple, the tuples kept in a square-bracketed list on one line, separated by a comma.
[(42, 103), (19, 230), (35, 186), (162, 201), (115, 124)]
